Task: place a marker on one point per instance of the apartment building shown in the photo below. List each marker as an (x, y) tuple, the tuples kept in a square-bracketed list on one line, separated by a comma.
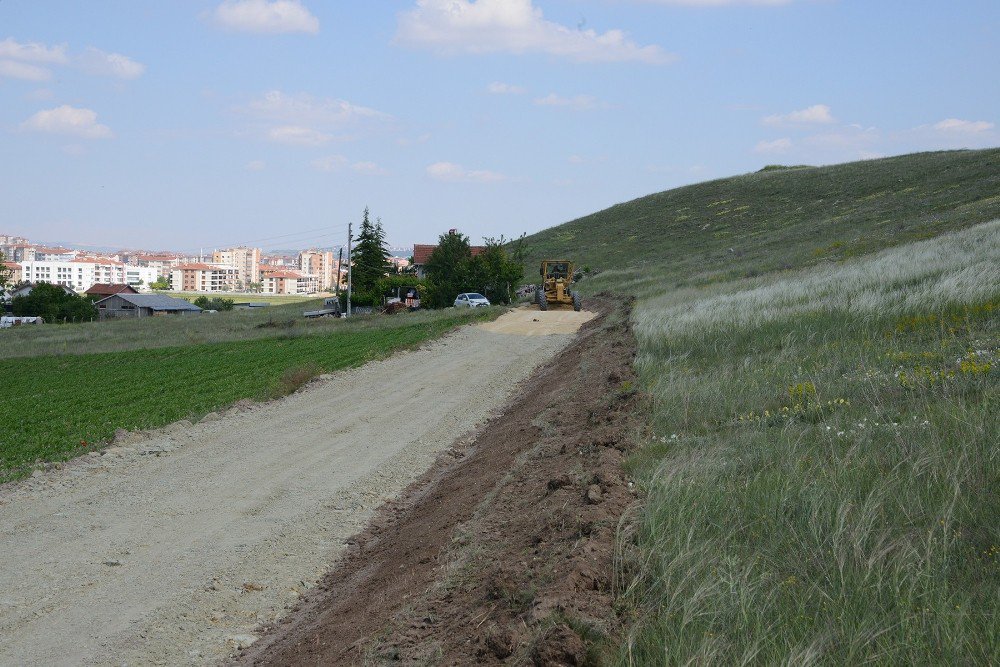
[(15, 272), (245, 260), (140, 276), (162, 264), (200, 277), (284, 281), (323, 265), (78, 274)]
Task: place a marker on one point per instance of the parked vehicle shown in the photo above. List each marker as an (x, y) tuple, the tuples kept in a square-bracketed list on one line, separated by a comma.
[(471, 300)]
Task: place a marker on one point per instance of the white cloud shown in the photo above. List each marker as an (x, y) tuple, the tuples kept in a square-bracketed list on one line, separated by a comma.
[(369, 169), (100, 63), (329, 163), (456, 173), (305, 109), (24, 71), (719, 3), (21, 61), (255, 165), (68, 120), (513, 26), (498, 88), (964, 126), (296, 135), (577, 102), (33, 52), (777, 146), (264, 16), (818, 114)]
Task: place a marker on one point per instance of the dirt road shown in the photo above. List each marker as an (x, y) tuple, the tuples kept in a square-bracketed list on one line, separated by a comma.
[(172, 548)]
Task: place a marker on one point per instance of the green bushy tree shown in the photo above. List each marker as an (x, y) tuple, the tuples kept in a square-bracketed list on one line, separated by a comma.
[(448, 270), (53, 304)]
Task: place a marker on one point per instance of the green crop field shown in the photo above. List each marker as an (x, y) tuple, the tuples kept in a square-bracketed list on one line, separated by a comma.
[(821, 350), (61, 406)]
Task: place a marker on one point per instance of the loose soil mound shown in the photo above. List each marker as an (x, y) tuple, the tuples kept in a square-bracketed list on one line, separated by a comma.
[(533, 322), (504, 555)]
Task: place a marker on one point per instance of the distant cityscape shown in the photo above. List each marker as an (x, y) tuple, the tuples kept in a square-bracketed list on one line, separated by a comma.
[(241, 269)]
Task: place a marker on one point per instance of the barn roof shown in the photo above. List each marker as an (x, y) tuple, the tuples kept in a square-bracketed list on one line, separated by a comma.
[(159, 302)]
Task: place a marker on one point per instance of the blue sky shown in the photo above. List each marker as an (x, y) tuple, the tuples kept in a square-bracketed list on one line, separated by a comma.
[(203, 123)]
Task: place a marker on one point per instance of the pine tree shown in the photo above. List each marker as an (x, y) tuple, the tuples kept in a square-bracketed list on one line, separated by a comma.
[(370, 258)]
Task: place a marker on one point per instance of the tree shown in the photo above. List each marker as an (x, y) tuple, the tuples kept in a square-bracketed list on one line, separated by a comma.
[(495, 272), (53, 304), (5, 273), (370, 258), (448, 269), (160, 284)]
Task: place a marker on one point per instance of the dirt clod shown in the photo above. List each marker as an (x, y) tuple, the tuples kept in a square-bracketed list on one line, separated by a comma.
[(559, 646)]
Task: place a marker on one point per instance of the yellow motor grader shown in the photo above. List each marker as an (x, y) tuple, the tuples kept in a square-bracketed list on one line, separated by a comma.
[(557, 277)]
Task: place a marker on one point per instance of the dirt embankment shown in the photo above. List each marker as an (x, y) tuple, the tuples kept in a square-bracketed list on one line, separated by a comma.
[(504, 556)]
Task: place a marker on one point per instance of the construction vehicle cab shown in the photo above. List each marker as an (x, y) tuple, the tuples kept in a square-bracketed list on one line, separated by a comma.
[(557, 277)]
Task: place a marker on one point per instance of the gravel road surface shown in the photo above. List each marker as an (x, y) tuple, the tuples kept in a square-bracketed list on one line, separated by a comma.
[(173, 546)]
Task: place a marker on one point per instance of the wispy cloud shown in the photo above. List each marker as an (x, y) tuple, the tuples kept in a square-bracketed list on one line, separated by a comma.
[(963, 126), (13, 69), (818, 114), (369, 169), (576, 103), (456, 173), (782, 145), (513, 26), (31, 61), (498, 88), (329, 163), (265, 16), (100, 63), (296, 135), (68, 120)]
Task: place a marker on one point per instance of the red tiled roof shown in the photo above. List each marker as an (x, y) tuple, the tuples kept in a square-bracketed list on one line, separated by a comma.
[(422, 253), (109, 289), (97, 260), (193, 267)]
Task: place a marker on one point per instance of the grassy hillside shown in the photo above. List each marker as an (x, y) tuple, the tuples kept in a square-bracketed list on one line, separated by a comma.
[(822, 352), (777, 219)]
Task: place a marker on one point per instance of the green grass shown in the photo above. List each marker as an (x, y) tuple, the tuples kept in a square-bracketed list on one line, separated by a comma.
[(821, 349), (172, 331), (776, 219), (273, 299), (61, 401), (822, 482)]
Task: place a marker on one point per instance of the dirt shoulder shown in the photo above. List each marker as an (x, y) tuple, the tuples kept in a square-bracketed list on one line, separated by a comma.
[(172, 547), (505, 554)]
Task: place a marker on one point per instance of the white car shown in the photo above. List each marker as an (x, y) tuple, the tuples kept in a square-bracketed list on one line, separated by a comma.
[(471, 300)]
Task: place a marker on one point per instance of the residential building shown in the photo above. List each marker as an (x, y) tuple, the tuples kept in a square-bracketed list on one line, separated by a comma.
[(78, 274), (163, 264), (15, 272), (43, 254), (200, 277), (323, 265), (246, 260), (143, 305), (141, 276), (284, 281)]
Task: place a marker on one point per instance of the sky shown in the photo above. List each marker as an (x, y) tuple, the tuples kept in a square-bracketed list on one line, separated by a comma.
[(207, 123)]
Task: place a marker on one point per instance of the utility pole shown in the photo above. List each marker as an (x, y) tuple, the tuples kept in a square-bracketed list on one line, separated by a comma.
[(349, 239), (340, 263)]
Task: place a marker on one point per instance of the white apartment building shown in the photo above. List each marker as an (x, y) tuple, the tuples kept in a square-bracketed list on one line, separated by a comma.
[(288, 282), (245, 260), (323, 265), (140, 276), (77, 274), (200, 277)]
